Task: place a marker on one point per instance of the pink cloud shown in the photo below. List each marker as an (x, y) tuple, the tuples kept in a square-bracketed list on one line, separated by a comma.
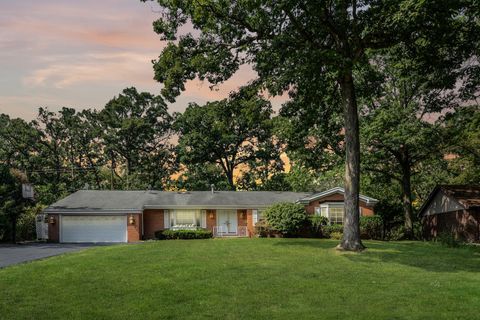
[(93, 68)]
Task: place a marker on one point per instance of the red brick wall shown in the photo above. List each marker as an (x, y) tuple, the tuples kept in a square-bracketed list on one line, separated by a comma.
[(211, 219), (310, 208), (54, 229), (464, 224), (250, 227), (366, 211), (134, 231), (154, 221)]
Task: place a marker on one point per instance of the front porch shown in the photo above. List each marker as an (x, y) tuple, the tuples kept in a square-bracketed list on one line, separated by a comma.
[(230, 223), (223, 222), (223, 232)]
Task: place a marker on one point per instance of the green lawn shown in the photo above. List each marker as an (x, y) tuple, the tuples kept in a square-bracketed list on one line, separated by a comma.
[(247, 279)]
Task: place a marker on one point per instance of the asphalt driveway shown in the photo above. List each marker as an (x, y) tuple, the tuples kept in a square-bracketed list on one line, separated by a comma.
[(11, 254)]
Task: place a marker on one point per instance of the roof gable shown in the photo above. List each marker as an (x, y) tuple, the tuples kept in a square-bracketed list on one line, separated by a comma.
[(447, 198), (332, 191), (442, 202)]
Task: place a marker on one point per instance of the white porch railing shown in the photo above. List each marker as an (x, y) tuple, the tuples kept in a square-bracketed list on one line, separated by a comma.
[(184, 227), (221, 231)]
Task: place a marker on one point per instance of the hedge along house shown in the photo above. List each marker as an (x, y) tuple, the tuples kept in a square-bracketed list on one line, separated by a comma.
[(453, 209), (129, 216)]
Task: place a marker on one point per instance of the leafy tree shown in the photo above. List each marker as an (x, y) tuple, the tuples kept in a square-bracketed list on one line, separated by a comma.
[(229, 133), (303, 47), (265, 172), (301, 179), (396, 141), (18, 144), (84, 150), (461, 135), (201, 177), (12, 204), (397, 132), (53, 153), (136, 132), (311, 127)]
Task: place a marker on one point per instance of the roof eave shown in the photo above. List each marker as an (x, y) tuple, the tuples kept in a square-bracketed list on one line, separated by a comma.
[(326, 193), (91, 211)]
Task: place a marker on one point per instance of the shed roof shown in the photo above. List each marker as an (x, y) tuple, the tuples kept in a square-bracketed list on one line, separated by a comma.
[(466, 195)]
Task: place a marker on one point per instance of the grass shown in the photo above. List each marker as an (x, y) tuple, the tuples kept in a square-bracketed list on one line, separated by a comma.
[(247, 279)]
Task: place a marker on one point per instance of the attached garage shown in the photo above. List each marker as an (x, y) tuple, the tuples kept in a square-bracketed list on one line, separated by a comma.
[(97, 216), (93, 228)]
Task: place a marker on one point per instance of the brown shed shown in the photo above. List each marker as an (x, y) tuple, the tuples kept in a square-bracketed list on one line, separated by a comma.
[(454, 209)]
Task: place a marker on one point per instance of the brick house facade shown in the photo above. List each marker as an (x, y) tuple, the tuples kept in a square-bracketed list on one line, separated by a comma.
[(123, 216)]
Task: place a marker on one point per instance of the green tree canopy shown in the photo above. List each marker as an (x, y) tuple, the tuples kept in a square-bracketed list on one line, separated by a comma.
[(229, 133), (136, 132), (305, 47), (461, 134)]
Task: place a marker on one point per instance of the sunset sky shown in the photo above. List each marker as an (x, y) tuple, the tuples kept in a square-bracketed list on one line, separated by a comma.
[(80, 54)]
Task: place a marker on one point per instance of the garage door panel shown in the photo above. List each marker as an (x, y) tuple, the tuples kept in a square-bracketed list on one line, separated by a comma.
[(94, 228)]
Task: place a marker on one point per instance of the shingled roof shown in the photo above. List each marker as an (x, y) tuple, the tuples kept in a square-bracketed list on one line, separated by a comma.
[(467, 196), (105, 202), (136, 201)]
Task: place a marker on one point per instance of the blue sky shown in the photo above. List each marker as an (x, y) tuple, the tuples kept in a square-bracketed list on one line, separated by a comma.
[(80, 54)]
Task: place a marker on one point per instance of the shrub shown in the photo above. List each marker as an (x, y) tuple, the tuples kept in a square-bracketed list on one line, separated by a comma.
[(371, 227), (286, 218), (264, 230), (314, 226), (448, 239), (26, 223), (334, 228), (183, 234), (336, 235), (397, 233), (418, 230)]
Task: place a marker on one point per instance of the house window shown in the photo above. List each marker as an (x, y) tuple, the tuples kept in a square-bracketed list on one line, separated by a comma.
[(335, 214), (257, 216), (333, 211), (261, 215), (182, 218), (322, 210)]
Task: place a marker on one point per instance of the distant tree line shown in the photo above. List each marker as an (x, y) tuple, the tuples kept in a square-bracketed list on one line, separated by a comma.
[(234, 144)]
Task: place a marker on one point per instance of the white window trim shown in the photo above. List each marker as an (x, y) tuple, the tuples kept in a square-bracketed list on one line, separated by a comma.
[(328, 205), (203, 218), (172, 217), (255, 216), (166, 219)]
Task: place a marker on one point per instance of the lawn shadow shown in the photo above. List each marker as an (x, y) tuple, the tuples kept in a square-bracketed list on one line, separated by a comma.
[(428, 256), (307, 242)]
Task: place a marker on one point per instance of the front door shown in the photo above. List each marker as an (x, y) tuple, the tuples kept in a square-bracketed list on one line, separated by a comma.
[(227, 220)]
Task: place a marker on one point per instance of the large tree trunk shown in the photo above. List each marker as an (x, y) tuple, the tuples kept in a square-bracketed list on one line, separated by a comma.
[(351, 229), (407, 196), (230, 180)]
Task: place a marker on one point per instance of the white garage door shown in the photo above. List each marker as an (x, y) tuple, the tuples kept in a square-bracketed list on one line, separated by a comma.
[(94, 229)]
